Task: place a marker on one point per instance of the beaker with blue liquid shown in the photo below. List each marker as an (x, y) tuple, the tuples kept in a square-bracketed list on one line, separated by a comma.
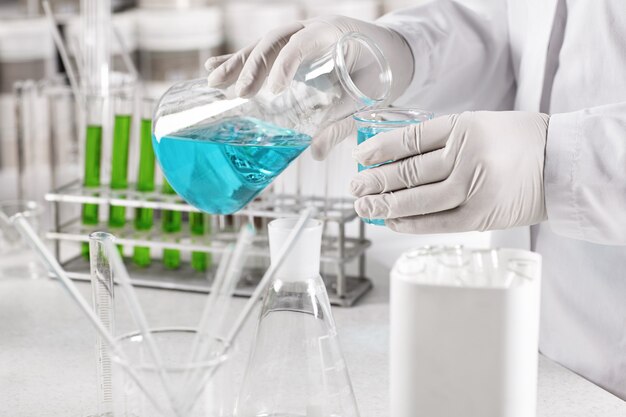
[(369, 123), (219, 151)]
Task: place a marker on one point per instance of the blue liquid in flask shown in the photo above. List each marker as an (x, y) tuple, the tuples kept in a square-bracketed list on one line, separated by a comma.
[(363, 134), (220, 167)]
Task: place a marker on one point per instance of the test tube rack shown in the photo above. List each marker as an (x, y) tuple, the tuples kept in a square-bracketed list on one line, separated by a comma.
[(340, 252)]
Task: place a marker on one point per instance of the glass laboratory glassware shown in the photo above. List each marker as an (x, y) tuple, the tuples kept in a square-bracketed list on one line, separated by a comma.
[(92, 160), (102, 292), (212, 370), (125, 26), (219, 151), (296, 367), (64, 138), (65, 9), (372, 122), (123, 109), (144, 217), (200, 225), (172, 223), (16, 258)]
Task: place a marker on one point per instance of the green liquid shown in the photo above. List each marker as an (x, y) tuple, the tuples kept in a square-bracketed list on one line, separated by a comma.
[(93, 149), (200, 261), (119, 168), (172, 223), (145, 182)]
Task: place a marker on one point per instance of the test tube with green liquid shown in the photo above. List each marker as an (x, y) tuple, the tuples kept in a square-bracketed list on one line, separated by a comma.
[(199, 224), (145, 181), (172, 222), (93, 151), (119, 158)]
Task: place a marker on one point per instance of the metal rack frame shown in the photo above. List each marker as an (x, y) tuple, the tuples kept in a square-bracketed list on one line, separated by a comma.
[(337, 251)]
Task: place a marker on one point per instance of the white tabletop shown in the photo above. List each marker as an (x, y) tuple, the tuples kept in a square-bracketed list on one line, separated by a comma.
[(47, 353)]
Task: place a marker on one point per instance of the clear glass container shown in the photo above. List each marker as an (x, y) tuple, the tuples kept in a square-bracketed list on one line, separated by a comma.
[(201, 388), (17, 260), (103, 301), (219, 151), (296, 367), (63, 134), (123, 23), (370, 123)]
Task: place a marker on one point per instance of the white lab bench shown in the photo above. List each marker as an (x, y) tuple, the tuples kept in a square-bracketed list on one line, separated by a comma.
[(47, 353)]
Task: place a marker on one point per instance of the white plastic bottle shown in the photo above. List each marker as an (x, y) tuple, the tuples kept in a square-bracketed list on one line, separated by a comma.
[(464, 333)]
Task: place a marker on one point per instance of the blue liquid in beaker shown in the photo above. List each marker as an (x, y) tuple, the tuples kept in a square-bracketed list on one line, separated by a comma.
[(220, 167), (363, 134)]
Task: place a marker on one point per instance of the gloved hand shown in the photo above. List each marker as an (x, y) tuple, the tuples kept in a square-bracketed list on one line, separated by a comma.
[(278, 54), (456, 173)]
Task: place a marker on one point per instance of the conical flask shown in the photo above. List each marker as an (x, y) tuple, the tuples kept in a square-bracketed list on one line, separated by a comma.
[(296, 368)]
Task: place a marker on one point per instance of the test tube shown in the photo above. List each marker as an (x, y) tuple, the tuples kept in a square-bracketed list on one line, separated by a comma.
[(171, 223), (200, 224), (102, 288), (119, 159), (145, 181), (93, 150)]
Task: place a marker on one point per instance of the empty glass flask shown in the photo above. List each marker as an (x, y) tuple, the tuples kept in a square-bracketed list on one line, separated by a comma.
[(296, 368), (218, 151)]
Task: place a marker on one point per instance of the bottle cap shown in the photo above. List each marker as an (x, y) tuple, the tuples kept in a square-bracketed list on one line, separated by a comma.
[(303, 260)]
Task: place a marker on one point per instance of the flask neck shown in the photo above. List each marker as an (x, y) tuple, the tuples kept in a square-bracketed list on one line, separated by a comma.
[(303, 260), (362, 70)]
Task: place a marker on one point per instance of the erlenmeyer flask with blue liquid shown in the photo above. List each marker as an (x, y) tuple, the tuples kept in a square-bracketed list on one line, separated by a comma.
[(218, 151)]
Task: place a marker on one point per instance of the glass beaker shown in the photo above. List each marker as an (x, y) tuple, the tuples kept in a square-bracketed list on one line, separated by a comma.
[(372, 122), (296, 367), (218, 151), (214, 399), (16, 258)]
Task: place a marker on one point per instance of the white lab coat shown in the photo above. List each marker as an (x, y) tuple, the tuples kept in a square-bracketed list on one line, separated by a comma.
[(568, 58)]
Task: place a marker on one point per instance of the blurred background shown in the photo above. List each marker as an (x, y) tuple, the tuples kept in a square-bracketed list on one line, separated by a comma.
[(158, 42)]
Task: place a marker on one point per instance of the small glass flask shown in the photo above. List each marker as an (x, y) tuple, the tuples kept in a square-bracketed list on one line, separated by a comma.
[(296, 367)]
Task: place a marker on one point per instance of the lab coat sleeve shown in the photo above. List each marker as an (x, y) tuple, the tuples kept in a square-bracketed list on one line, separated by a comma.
[(585, 174), (461, 55)]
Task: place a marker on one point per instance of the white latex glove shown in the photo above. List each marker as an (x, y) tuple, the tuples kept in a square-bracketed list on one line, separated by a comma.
[(277, 56), (456, 173)]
